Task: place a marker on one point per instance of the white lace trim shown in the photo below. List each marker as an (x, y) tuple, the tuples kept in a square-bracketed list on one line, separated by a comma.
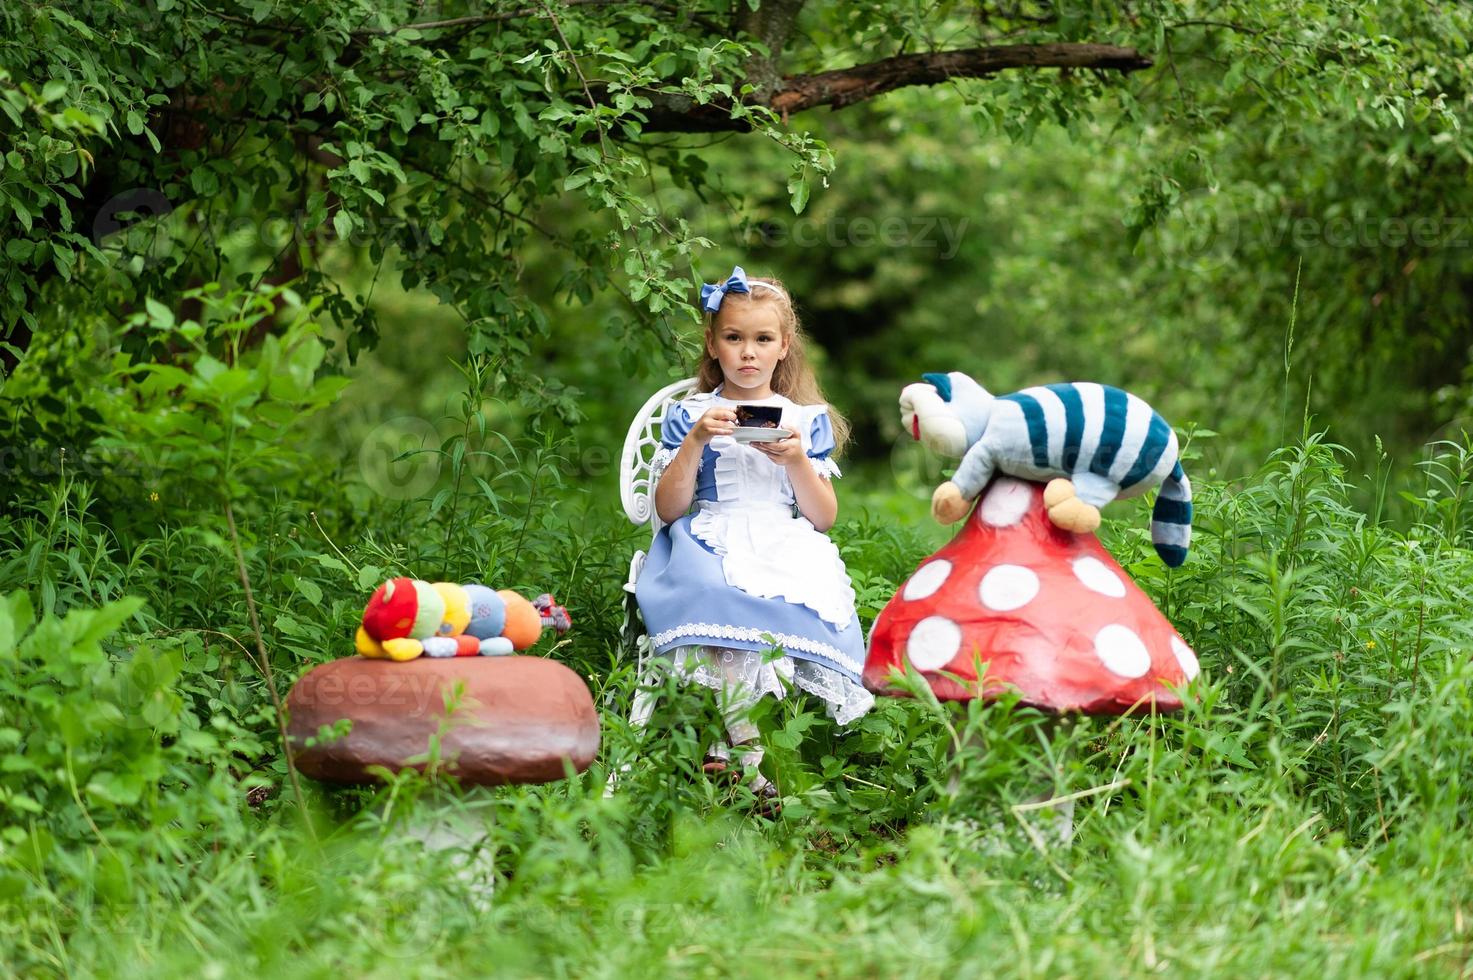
[(664, 456), (745, 676), (810, 414), (715, 631), (700, 399), (825, 467)]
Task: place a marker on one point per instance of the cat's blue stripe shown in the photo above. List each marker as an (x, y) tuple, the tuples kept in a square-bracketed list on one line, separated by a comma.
[(1157, 435), (1172, 555), (1114, 431), (1037, 426), (1168, 511), (1174, 487), (941, 383), (1073, 423)]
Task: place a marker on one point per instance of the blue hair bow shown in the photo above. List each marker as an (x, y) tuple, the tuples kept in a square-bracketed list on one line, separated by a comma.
[(713, 293)]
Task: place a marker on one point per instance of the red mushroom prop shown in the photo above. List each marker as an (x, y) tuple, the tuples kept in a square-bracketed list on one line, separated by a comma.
[(1048, 613)]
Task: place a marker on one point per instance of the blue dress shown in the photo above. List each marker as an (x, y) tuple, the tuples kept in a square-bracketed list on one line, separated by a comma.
[(744, 572)]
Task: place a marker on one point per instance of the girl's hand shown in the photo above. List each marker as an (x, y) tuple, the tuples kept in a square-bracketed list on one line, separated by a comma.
[(785, 452), (716, 422)]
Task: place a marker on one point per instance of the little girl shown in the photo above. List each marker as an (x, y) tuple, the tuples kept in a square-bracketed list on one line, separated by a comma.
[(742, 574)]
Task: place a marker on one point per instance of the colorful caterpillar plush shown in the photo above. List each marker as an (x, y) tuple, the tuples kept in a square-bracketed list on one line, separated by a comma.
[(407, 617), (1095, 443)]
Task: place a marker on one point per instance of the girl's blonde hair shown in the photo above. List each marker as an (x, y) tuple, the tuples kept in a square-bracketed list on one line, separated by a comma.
[(793, 377)]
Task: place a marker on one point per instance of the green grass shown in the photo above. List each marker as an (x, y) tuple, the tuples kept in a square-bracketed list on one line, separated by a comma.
[(1308, 814)]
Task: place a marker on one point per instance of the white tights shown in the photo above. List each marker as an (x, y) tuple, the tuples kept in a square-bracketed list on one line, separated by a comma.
[(737, 699)]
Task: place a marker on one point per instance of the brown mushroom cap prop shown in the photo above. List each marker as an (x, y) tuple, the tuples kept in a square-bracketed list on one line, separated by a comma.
[(1048, 613), (520, 720)]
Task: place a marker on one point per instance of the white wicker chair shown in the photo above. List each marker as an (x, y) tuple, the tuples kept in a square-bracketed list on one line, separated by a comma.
[(638, 475)]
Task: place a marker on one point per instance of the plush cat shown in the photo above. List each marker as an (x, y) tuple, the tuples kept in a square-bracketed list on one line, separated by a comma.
[(1093, 442)]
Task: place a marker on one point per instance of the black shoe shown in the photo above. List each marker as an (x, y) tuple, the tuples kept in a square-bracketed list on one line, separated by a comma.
[(717, 768), (768, 802)]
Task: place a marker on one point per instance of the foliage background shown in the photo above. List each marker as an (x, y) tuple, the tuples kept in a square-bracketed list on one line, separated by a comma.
[(293, 289)]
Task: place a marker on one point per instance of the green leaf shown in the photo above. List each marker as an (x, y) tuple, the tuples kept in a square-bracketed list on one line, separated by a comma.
[(204, 181), (798, 191), (14, 762), (64, 258), (206, 368), (62, 17), (120, 789), (290, 625), (784, 740), (81, 120), (15, 620), (328, 561), (96, 624), (158, 313), (135, 122), (53, 90), (342, 223), (311, 590), (21, 803), (201, 744)]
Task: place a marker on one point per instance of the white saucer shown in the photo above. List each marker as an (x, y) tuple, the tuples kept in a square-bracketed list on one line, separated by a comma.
[(752, 433)]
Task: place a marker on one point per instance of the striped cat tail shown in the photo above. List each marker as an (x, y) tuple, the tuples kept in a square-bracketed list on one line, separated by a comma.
[(1171, 518)]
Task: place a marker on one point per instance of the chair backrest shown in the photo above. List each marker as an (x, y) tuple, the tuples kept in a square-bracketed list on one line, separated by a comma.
[(637, 475)]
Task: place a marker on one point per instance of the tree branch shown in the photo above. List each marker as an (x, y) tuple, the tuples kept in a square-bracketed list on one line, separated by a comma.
[(190, 118), (847, 86)]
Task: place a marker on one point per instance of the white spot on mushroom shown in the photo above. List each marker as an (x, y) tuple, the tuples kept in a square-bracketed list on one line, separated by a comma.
[(1184, 656), (1096, 575), (1006, 503), (1008, 587), (933, 643), (927, 579), (1122, 652)]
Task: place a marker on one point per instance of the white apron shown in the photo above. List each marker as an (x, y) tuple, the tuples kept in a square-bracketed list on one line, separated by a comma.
[(766, 550)]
